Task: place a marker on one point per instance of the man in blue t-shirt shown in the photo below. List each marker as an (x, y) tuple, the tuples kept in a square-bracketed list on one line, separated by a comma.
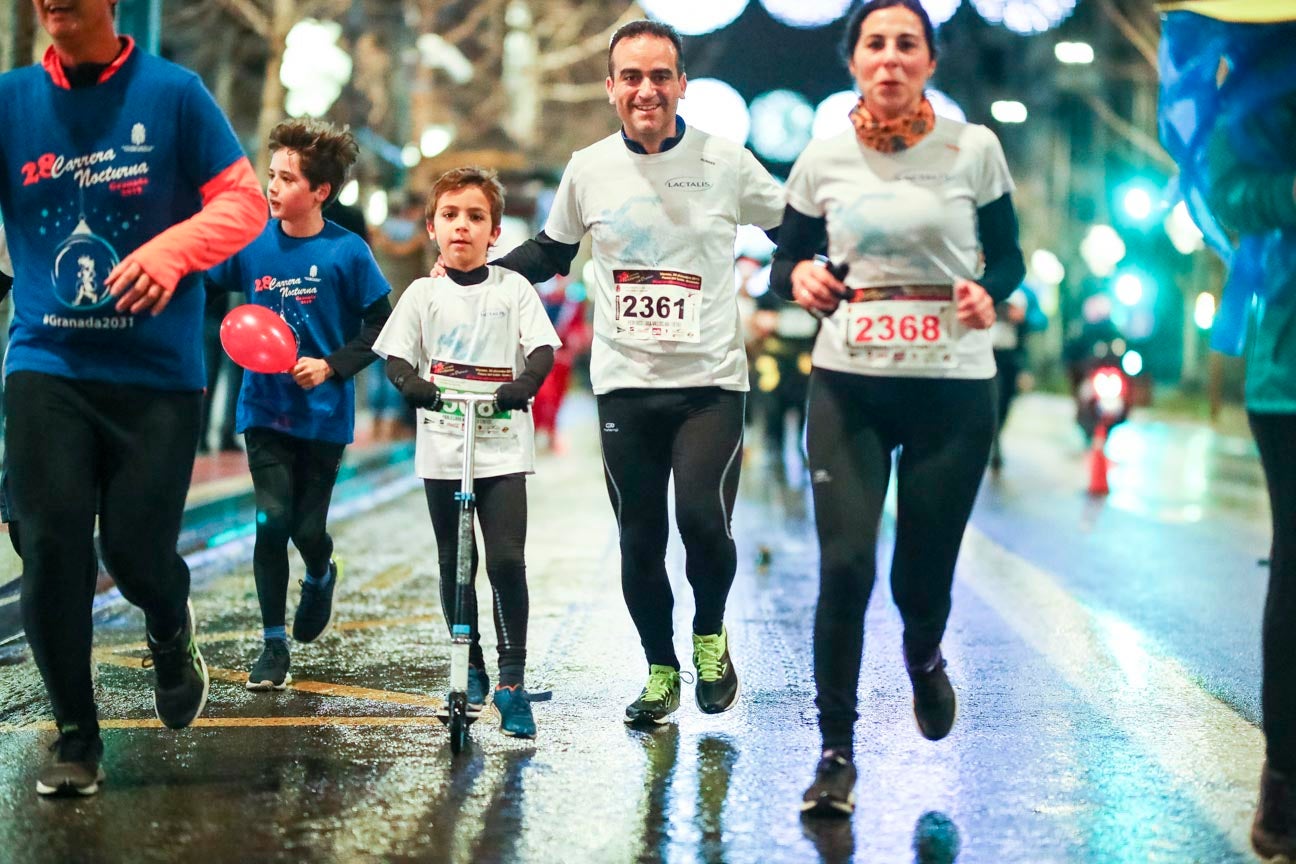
[(120, 179), (323, 281)]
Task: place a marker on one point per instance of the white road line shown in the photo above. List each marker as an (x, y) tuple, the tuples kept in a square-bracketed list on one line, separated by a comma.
[(1213, 754)]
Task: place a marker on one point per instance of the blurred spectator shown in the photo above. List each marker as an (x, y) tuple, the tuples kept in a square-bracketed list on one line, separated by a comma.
[(565, 305), (400, 245)]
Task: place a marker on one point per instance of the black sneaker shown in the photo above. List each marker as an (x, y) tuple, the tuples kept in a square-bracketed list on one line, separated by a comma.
[(717, 683), (832, 794), (659, 698), (315, 611), (934, 701), (1273, 831), (270, 672), (74, 767), (182, 681)]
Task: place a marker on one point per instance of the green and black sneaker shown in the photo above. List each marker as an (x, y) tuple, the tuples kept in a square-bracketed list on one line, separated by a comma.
[(717, 683), (182, 680), (660, 697)]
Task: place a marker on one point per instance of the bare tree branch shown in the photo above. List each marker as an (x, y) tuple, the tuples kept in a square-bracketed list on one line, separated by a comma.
[(574, 92), (587, 47), (1131, 133), (324, 9), (251, 14), (1142, 42), (481, 11)]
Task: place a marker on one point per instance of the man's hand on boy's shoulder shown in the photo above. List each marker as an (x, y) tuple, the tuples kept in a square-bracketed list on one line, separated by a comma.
[(311, 372)]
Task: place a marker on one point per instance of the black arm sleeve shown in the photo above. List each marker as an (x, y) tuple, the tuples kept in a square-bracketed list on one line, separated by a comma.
[(997, 231), (6, 285), (540, 258), (539, 363), (800, 238), (358, 353), (398, 370)]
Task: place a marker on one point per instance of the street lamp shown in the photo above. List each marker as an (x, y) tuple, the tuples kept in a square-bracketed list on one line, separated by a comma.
[(717, 109), (692, 17), (1102, 249), (1074, 53), (1008, 111)]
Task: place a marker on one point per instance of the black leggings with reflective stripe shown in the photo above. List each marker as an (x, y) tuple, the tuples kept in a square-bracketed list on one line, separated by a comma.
[(943, 429), (649, 436), (502, 513)]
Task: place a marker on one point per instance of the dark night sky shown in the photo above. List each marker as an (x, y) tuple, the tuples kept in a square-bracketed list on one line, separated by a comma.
[(755, 54)]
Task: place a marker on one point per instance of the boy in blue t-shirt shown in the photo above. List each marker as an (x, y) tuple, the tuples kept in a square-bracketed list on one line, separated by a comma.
[(324, 282)]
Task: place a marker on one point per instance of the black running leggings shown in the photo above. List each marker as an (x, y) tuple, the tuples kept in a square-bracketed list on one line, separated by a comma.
[(77, 448), (943, 429), (1274, 434), (502, 513), (694, 434), (293, 481)]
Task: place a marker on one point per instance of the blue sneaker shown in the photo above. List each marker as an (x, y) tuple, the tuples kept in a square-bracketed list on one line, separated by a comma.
[(315, 611), (478, 689), (514, 710)]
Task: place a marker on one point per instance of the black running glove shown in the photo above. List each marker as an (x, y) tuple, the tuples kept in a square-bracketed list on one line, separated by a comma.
[(421, 394), (516, 393), (416, 392)]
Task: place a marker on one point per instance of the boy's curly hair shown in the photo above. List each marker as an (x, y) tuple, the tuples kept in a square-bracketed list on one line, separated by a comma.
[(324, 152), (455, 179)]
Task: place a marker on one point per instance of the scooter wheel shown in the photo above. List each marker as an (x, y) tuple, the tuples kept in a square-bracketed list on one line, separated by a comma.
[(458, 723)]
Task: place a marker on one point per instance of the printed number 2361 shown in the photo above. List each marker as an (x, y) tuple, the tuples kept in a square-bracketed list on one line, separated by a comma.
[(649, 307)]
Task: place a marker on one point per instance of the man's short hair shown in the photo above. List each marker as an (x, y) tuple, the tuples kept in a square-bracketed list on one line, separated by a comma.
[(324, 152), (644, 27), (461, 178)]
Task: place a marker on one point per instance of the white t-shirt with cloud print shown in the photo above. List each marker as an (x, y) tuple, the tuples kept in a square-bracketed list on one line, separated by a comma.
[(902, 219), (469, 338), (663, 226)]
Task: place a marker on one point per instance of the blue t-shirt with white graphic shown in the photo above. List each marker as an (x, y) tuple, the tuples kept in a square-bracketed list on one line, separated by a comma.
[(321, 286), (87, 176)]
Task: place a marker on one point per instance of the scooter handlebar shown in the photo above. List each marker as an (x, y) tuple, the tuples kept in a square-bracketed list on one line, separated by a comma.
[(484, 402)]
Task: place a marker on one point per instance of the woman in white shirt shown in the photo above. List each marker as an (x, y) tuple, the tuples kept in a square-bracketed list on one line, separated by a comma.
[(909, 205)]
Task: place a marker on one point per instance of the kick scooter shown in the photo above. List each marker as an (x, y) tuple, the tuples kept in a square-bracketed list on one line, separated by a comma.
[(455, 715)]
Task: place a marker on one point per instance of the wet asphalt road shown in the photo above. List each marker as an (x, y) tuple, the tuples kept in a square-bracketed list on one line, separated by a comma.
[(1105, 655)]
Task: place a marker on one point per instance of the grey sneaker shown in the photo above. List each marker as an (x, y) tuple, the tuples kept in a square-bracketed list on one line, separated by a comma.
[(270, 672), (73, 767)]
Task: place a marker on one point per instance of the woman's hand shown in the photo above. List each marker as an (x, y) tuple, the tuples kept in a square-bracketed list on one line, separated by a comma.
[(438, 268), (814, 287), (975, 308)]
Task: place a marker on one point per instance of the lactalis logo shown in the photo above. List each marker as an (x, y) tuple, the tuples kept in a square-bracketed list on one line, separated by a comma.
[(697, 183)]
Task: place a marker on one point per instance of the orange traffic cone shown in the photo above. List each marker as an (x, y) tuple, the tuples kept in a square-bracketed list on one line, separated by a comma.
[(1098, 463)]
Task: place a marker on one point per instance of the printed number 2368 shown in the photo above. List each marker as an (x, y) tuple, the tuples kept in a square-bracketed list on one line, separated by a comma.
[(906, 328), (649, 307)]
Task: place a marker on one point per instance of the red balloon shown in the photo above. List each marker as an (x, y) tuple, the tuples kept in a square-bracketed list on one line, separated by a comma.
[(258, 339)]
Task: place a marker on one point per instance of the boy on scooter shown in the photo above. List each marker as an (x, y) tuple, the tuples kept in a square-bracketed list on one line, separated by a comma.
[(476, 329)]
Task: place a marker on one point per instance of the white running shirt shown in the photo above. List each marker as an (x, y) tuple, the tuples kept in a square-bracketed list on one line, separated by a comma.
[(663, 225), (906, 218), (469, 338)]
